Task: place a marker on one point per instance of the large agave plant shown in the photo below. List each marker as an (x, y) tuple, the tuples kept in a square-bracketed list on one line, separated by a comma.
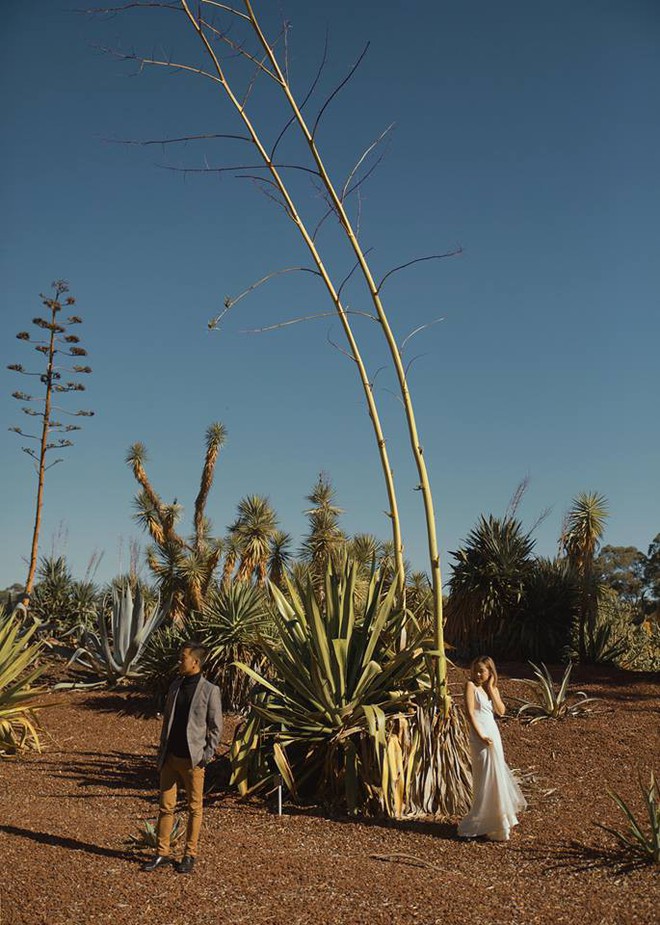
[(115, 650), (18, 699), (338, 682)]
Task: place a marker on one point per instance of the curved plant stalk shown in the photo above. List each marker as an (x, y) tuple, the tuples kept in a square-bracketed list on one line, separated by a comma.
[(334, 293), (374, 291)]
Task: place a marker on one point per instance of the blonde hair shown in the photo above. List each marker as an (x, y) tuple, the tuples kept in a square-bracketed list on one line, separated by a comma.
[(489, 664)]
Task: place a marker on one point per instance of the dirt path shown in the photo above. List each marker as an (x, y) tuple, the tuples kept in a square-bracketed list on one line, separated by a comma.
[(65, 818)]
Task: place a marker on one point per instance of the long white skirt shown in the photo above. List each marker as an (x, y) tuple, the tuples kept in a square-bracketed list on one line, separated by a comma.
[(496, 797)]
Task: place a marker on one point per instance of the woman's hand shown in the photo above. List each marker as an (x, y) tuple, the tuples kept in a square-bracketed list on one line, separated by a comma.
[(486, 740)]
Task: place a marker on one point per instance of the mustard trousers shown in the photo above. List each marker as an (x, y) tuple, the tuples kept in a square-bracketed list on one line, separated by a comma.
[(177, 772)]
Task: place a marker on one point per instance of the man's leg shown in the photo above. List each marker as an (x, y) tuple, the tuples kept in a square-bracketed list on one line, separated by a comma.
[(168, 791), (193, 779)]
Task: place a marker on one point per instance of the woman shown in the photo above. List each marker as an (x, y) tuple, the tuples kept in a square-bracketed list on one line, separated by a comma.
[(496, 797)]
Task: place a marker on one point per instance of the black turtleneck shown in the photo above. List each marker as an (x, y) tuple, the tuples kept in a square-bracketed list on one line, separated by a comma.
[(177, 742)]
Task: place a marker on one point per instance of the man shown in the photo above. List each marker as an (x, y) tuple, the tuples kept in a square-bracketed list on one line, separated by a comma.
[(192, 724)]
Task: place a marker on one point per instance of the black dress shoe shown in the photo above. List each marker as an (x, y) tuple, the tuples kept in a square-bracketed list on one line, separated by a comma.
[(186, 865), (159, 861)]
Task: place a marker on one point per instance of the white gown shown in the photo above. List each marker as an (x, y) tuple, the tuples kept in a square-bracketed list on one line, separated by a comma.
[(496, 797)]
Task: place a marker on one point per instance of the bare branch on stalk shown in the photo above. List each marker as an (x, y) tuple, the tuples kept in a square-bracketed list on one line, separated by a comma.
[(362, 158), (410, 362), (306, 97), (348, 276), (410, 263), (233, 167), (156, 62), (422, 327), (338, 88), (286, 324), (173, 141)]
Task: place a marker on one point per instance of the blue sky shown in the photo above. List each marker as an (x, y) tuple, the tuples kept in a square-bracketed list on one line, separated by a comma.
[(525, 133)]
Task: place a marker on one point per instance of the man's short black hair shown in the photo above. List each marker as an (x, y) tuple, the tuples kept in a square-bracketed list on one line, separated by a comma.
[(197, 651)]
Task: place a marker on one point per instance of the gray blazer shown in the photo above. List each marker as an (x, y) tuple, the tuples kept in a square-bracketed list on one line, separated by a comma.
[(204, 721)]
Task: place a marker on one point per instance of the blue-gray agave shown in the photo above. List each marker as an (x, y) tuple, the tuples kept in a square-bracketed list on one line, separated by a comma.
[(115, 650)]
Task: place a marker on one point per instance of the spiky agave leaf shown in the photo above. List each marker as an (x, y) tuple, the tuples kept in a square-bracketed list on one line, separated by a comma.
[(334, 674)]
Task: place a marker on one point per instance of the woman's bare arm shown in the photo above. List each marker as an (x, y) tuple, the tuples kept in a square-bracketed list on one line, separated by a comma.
[(495, 698)]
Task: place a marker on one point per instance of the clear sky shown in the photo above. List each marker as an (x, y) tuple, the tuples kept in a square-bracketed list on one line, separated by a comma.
[(527, 133)]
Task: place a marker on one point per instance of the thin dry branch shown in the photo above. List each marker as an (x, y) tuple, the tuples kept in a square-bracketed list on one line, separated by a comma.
[(516, 497), (226, 8), (233, 167), (351, 272), (362, 158), (422, 327), (410, 362), (156, 62), (337, 89), (173, 141), (306, 97), (403, 266), (286, 324), (240, 50), (107, 10), (539, 520), (230, 302)]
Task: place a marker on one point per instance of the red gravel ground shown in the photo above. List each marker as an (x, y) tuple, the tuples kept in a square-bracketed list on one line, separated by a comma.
[(65, 818)]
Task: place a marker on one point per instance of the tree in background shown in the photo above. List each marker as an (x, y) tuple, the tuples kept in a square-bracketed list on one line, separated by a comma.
[(621, 568), (253, 530), (652, 573), (325, 537), (184, 568), (55, 344), (582, 532)]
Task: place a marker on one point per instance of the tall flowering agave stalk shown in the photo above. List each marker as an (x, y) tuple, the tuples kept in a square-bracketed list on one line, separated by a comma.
[(114, 651)]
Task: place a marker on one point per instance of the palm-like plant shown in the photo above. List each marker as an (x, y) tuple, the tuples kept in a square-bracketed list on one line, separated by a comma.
[(488, 583), (279, 557), (325, 539), (184, 569), (61, 603), (234, 623), (582, 532), (253, 530), (338, 681)]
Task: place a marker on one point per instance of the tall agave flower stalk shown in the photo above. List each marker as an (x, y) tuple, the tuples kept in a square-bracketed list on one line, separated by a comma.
[(204, 31)]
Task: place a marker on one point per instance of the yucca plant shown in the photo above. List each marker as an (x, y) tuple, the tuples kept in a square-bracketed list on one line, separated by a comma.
[(19, 727), (551, 703), (115, 650), (642, 845), (487, 587), (160, 657), (234, 621), (321, 720)]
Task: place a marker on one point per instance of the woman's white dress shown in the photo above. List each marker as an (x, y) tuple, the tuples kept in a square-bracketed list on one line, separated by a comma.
[(496, 797)]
